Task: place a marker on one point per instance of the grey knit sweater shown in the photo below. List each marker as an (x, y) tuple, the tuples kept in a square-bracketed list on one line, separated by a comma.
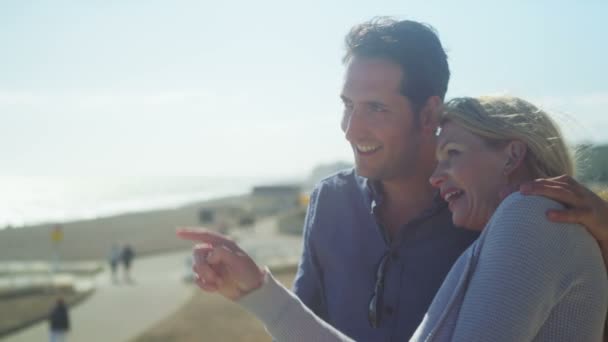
[(524, 279)]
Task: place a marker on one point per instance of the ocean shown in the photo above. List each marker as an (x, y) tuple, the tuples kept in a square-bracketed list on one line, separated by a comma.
[(33, 200)]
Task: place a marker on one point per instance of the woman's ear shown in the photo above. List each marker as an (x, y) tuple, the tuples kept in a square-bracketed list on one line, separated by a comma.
[(515, 152)]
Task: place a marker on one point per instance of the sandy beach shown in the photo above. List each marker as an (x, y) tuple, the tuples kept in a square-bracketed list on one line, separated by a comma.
[(149, 232)]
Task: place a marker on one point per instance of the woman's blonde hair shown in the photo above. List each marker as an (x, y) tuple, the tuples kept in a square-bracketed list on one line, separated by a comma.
[(499, 119)]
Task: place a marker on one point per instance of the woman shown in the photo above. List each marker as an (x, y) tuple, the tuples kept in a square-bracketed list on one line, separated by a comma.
[(524, 279)]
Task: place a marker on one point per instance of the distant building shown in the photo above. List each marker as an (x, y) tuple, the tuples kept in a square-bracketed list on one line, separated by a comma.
[(325, 170), (206, 215), (225, 215), (276, 190)]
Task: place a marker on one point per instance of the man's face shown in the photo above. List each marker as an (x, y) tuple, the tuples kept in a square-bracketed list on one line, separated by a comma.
[(378, 120)]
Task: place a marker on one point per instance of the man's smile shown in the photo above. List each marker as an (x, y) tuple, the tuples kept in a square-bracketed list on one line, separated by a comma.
[(367, 148)]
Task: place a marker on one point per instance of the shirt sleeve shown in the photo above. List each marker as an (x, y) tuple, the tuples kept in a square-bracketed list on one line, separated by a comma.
[(286, 318), (308, 280), (526, 264)]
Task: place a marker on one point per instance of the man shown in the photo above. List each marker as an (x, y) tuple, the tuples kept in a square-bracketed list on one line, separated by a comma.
[(378, 240)]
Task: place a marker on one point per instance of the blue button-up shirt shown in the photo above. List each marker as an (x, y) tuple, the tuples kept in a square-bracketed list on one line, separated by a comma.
[(343, 245)]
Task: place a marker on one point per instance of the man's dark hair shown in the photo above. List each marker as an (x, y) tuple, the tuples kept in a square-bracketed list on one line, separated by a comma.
[(412, 45)]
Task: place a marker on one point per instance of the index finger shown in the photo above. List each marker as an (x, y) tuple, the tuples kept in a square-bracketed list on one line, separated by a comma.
[(203, 235)]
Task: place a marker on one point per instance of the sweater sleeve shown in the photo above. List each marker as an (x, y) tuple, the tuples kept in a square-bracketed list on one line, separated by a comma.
[(525, 266), (286, 318)]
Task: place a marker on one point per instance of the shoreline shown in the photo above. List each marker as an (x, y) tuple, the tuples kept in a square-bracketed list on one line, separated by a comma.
[(148, 231), (50, 222)]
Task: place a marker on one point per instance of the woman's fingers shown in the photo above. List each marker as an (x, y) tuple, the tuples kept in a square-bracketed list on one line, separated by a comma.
[(239, 266), (204, 286), (224, 255), (221, 265), (206, 236), (200, 252), (207, 274), (236, 262), (201, 268), (200, 234)]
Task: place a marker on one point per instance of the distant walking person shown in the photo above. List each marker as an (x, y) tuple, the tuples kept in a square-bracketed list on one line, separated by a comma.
[(127, 256), (114, 259), (59, 321)]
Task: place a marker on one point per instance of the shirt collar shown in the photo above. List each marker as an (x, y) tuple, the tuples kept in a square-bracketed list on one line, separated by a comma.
[(376, 195)]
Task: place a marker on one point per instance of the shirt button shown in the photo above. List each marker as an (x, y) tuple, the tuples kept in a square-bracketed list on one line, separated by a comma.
[(388, 310)]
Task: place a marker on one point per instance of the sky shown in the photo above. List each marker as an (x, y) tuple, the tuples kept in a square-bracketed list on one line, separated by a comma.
[(226, 88)]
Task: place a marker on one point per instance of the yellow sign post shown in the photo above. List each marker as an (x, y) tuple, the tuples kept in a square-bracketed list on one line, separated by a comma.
[(56, 238), (56, 234)]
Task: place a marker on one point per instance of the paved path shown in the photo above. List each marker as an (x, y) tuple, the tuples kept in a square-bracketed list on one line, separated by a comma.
[(118, 313), (267, 246)]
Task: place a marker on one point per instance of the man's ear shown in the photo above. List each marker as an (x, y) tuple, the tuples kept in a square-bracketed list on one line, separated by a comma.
[(515, 152), (430, 114)]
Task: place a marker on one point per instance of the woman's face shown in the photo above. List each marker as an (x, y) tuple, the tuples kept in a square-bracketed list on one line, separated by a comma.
[(470, 175)]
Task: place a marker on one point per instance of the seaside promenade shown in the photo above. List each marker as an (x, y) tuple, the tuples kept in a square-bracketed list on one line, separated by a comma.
[(121, 312)]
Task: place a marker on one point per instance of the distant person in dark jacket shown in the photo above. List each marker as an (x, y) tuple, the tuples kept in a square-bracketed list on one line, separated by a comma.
[(127, 256), (114, 258), (59, 321)]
